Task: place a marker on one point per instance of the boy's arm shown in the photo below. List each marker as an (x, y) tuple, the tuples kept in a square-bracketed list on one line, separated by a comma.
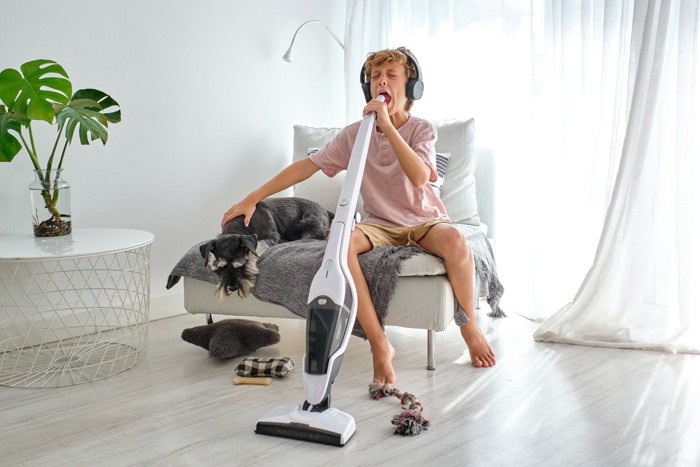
[(413, 166), (291, 175)]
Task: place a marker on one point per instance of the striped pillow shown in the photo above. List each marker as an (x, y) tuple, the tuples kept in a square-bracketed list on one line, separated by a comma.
[(441, 160)]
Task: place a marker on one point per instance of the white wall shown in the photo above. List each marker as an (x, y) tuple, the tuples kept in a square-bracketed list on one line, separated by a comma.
[(207, 104)]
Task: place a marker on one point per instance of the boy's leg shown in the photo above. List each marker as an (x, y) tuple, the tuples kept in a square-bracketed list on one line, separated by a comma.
[(382, 351), (447, 242)]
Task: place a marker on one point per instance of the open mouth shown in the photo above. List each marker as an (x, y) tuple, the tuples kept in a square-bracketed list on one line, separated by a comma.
[(387, 97)]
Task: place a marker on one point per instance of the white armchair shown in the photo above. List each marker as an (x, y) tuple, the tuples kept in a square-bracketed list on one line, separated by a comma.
[(423, 298)]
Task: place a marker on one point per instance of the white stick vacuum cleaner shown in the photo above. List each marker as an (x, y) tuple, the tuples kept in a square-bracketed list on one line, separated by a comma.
[(330, 317)]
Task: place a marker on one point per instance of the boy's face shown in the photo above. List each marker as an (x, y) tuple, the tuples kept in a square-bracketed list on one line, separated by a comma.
[(389, 79)]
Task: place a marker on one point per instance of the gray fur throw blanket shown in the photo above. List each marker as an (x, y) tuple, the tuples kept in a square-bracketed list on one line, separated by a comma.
[(287, 269)]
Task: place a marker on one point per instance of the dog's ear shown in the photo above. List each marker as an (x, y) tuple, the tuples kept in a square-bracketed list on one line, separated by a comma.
[(250, 242), (205, 249)]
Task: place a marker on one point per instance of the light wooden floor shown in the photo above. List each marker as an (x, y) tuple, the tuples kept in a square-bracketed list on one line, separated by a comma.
[(543, 404)]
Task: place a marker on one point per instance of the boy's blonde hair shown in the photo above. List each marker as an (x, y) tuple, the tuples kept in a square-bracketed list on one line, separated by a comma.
[(379, 58)]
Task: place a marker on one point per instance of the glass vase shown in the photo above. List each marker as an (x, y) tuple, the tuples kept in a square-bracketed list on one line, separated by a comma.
[(50, 201)]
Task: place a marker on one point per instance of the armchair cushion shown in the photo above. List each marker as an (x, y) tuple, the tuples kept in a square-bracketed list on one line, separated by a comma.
[(319, 187), (459, 189)]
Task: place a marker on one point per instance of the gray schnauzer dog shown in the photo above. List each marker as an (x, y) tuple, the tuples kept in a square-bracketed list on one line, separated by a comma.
[(234, 253)]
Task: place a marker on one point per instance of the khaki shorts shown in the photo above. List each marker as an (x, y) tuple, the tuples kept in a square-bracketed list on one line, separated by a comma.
[(380, 235)]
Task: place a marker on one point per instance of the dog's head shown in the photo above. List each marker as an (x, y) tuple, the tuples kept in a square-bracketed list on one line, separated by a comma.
[(228, 250), (233, 257)]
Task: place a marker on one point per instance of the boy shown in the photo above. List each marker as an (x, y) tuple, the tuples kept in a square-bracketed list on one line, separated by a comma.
[(401, 208)]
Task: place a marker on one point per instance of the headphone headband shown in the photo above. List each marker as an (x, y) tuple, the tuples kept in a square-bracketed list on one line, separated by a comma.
[(414, 86), (413, 61)]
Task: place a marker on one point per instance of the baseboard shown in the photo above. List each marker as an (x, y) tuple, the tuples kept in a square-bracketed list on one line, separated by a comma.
[(166, 306)]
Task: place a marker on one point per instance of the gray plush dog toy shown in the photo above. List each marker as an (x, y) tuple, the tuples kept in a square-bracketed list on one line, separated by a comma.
[(230, 338), (233, 254)]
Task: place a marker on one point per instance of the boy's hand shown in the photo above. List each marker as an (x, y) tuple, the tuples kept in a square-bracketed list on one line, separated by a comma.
[(381, 110), (245, 207)]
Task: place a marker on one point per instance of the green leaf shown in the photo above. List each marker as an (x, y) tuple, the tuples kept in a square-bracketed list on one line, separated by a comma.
[(9, 145), (87, 115), (109, 107), (33, 92)]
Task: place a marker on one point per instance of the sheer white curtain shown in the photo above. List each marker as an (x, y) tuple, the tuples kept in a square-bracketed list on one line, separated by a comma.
[(642, 290), (590, 110)]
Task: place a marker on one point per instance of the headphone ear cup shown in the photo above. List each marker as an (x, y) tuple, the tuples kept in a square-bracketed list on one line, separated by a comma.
[(414, 89), (366, 90), (365, 85)]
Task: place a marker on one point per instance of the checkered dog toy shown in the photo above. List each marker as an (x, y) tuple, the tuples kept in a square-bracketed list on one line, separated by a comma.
[(254, 366)]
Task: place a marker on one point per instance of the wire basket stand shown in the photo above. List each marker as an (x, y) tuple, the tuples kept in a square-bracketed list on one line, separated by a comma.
[(68, 321)]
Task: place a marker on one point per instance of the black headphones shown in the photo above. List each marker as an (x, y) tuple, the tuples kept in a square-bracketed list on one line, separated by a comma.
[(414, 86)]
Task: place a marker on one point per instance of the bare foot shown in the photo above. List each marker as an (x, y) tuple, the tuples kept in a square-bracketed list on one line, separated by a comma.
[(479, 349), (382, 355)]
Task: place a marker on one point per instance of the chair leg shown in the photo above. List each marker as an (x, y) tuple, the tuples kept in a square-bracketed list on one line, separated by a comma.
[(210, 318), (431, 349)]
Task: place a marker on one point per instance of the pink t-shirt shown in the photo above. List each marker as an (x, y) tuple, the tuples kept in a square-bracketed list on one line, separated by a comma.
[(389, 197)]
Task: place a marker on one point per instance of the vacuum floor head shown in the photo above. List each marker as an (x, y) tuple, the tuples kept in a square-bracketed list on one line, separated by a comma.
[(328, 427)]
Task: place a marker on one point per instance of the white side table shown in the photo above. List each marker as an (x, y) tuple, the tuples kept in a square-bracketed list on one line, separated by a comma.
[(73, 309)]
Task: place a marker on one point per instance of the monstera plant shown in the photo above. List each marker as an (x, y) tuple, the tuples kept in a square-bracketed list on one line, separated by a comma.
[(42, 92)]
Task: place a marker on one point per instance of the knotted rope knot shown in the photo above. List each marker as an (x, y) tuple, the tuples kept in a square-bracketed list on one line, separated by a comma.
[(408, 398), (410, 421), (379, 390)]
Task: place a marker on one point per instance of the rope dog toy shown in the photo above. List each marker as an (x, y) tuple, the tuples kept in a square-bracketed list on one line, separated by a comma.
[(410, 421)]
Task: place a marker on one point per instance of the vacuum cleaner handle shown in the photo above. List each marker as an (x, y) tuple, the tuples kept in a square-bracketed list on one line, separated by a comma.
[(333, 274)]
